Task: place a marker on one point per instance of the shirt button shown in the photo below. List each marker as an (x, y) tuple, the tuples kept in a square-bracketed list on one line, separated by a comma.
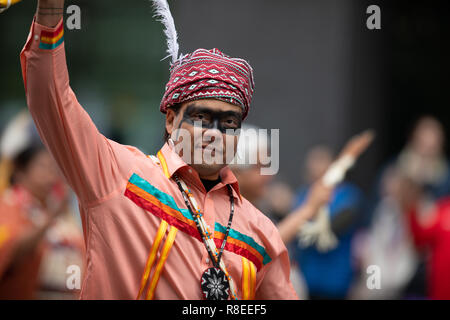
[(207, 260), (36, 37)]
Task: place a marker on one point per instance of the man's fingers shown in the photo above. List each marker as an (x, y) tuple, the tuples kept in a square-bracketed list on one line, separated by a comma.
[(359, 143)]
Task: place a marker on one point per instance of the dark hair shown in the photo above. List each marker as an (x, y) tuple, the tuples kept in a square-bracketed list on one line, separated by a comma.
[(176, 108), (23, 159)]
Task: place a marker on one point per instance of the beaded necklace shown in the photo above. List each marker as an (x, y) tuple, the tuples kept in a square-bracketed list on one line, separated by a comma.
[(216, 283)]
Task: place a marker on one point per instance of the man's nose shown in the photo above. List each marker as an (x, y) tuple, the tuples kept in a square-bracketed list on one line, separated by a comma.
[(212, 135), (213, 130)]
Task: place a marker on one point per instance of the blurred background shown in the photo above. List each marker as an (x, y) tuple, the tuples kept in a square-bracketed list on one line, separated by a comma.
[(321, 76)]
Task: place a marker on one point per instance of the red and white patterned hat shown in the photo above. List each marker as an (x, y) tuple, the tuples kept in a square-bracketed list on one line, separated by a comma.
[(205, 74)]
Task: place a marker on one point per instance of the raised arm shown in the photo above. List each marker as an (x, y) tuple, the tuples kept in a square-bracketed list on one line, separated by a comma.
[(87, 159), (49, 12), (289, 226)]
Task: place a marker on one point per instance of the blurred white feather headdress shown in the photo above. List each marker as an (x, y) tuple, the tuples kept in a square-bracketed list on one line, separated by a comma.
[(16, 136)]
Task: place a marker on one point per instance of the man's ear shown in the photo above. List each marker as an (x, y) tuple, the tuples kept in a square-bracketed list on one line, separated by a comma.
[(170, 120)]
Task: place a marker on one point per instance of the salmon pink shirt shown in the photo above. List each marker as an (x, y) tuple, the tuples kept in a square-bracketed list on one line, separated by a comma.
[(126, 197)]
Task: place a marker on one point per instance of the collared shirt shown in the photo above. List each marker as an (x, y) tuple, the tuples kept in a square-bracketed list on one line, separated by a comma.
[(124, 196)]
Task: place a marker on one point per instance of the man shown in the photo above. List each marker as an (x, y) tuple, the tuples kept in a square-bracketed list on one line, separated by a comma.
[(154, 226)]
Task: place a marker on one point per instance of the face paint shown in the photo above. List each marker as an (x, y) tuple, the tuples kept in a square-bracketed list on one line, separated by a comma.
[(210, 119)]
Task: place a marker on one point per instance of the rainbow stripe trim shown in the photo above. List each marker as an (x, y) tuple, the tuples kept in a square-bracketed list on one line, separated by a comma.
[(52, 39), (162, 205), (243, 245)]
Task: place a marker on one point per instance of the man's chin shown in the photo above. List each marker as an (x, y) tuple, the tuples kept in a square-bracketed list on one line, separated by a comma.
[(205, 170)]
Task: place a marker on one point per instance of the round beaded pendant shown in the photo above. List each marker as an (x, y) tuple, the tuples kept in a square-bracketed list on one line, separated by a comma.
[(215, 284)]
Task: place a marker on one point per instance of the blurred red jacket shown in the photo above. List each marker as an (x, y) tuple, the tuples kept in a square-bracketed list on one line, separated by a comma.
[(434, 234)]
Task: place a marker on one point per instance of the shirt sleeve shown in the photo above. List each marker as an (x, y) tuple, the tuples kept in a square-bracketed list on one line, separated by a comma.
[(276, 283), (86, 158)]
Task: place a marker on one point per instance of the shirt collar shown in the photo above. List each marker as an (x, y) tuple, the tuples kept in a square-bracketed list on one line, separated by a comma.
[(227, 176), (174, 163)]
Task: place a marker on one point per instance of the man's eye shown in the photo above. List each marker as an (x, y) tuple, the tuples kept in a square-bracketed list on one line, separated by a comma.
[(198, 117), (231, 122)]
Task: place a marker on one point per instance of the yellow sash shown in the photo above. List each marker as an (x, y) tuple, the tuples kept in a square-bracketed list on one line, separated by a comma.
[(248, 279), (154, 250)]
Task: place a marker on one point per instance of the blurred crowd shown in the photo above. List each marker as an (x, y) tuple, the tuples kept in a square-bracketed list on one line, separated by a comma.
[(393, 243), (41, 242)]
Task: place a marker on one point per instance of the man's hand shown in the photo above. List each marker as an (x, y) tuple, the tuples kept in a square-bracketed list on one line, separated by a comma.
[(358, 144), (49, 12), (319, 195), (321, 191)]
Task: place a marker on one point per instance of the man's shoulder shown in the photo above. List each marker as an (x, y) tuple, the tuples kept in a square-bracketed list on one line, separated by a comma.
[(135, 165), (254, 214), (124, 148), (261, 224), (129, 156)]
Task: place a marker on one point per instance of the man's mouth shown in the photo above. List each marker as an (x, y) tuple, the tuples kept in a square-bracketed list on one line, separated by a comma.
[(209, 147)]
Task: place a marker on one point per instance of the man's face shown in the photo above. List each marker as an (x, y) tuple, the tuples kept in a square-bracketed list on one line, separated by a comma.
[(202, 131)]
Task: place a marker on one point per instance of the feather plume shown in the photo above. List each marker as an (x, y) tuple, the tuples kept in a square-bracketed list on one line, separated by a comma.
[(163, 14)]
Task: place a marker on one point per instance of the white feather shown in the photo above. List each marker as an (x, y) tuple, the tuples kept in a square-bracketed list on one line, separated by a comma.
[(162, 12)]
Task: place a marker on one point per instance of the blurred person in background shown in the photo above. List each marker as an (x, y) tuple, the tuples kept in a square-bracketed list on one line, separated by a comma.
[(431, 232), (278, 200), (252, 184), (423, 159), (387, 244), (329, 274), (425, 199), (266, 192), (421, 164), (39, 237), (272, 196)]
